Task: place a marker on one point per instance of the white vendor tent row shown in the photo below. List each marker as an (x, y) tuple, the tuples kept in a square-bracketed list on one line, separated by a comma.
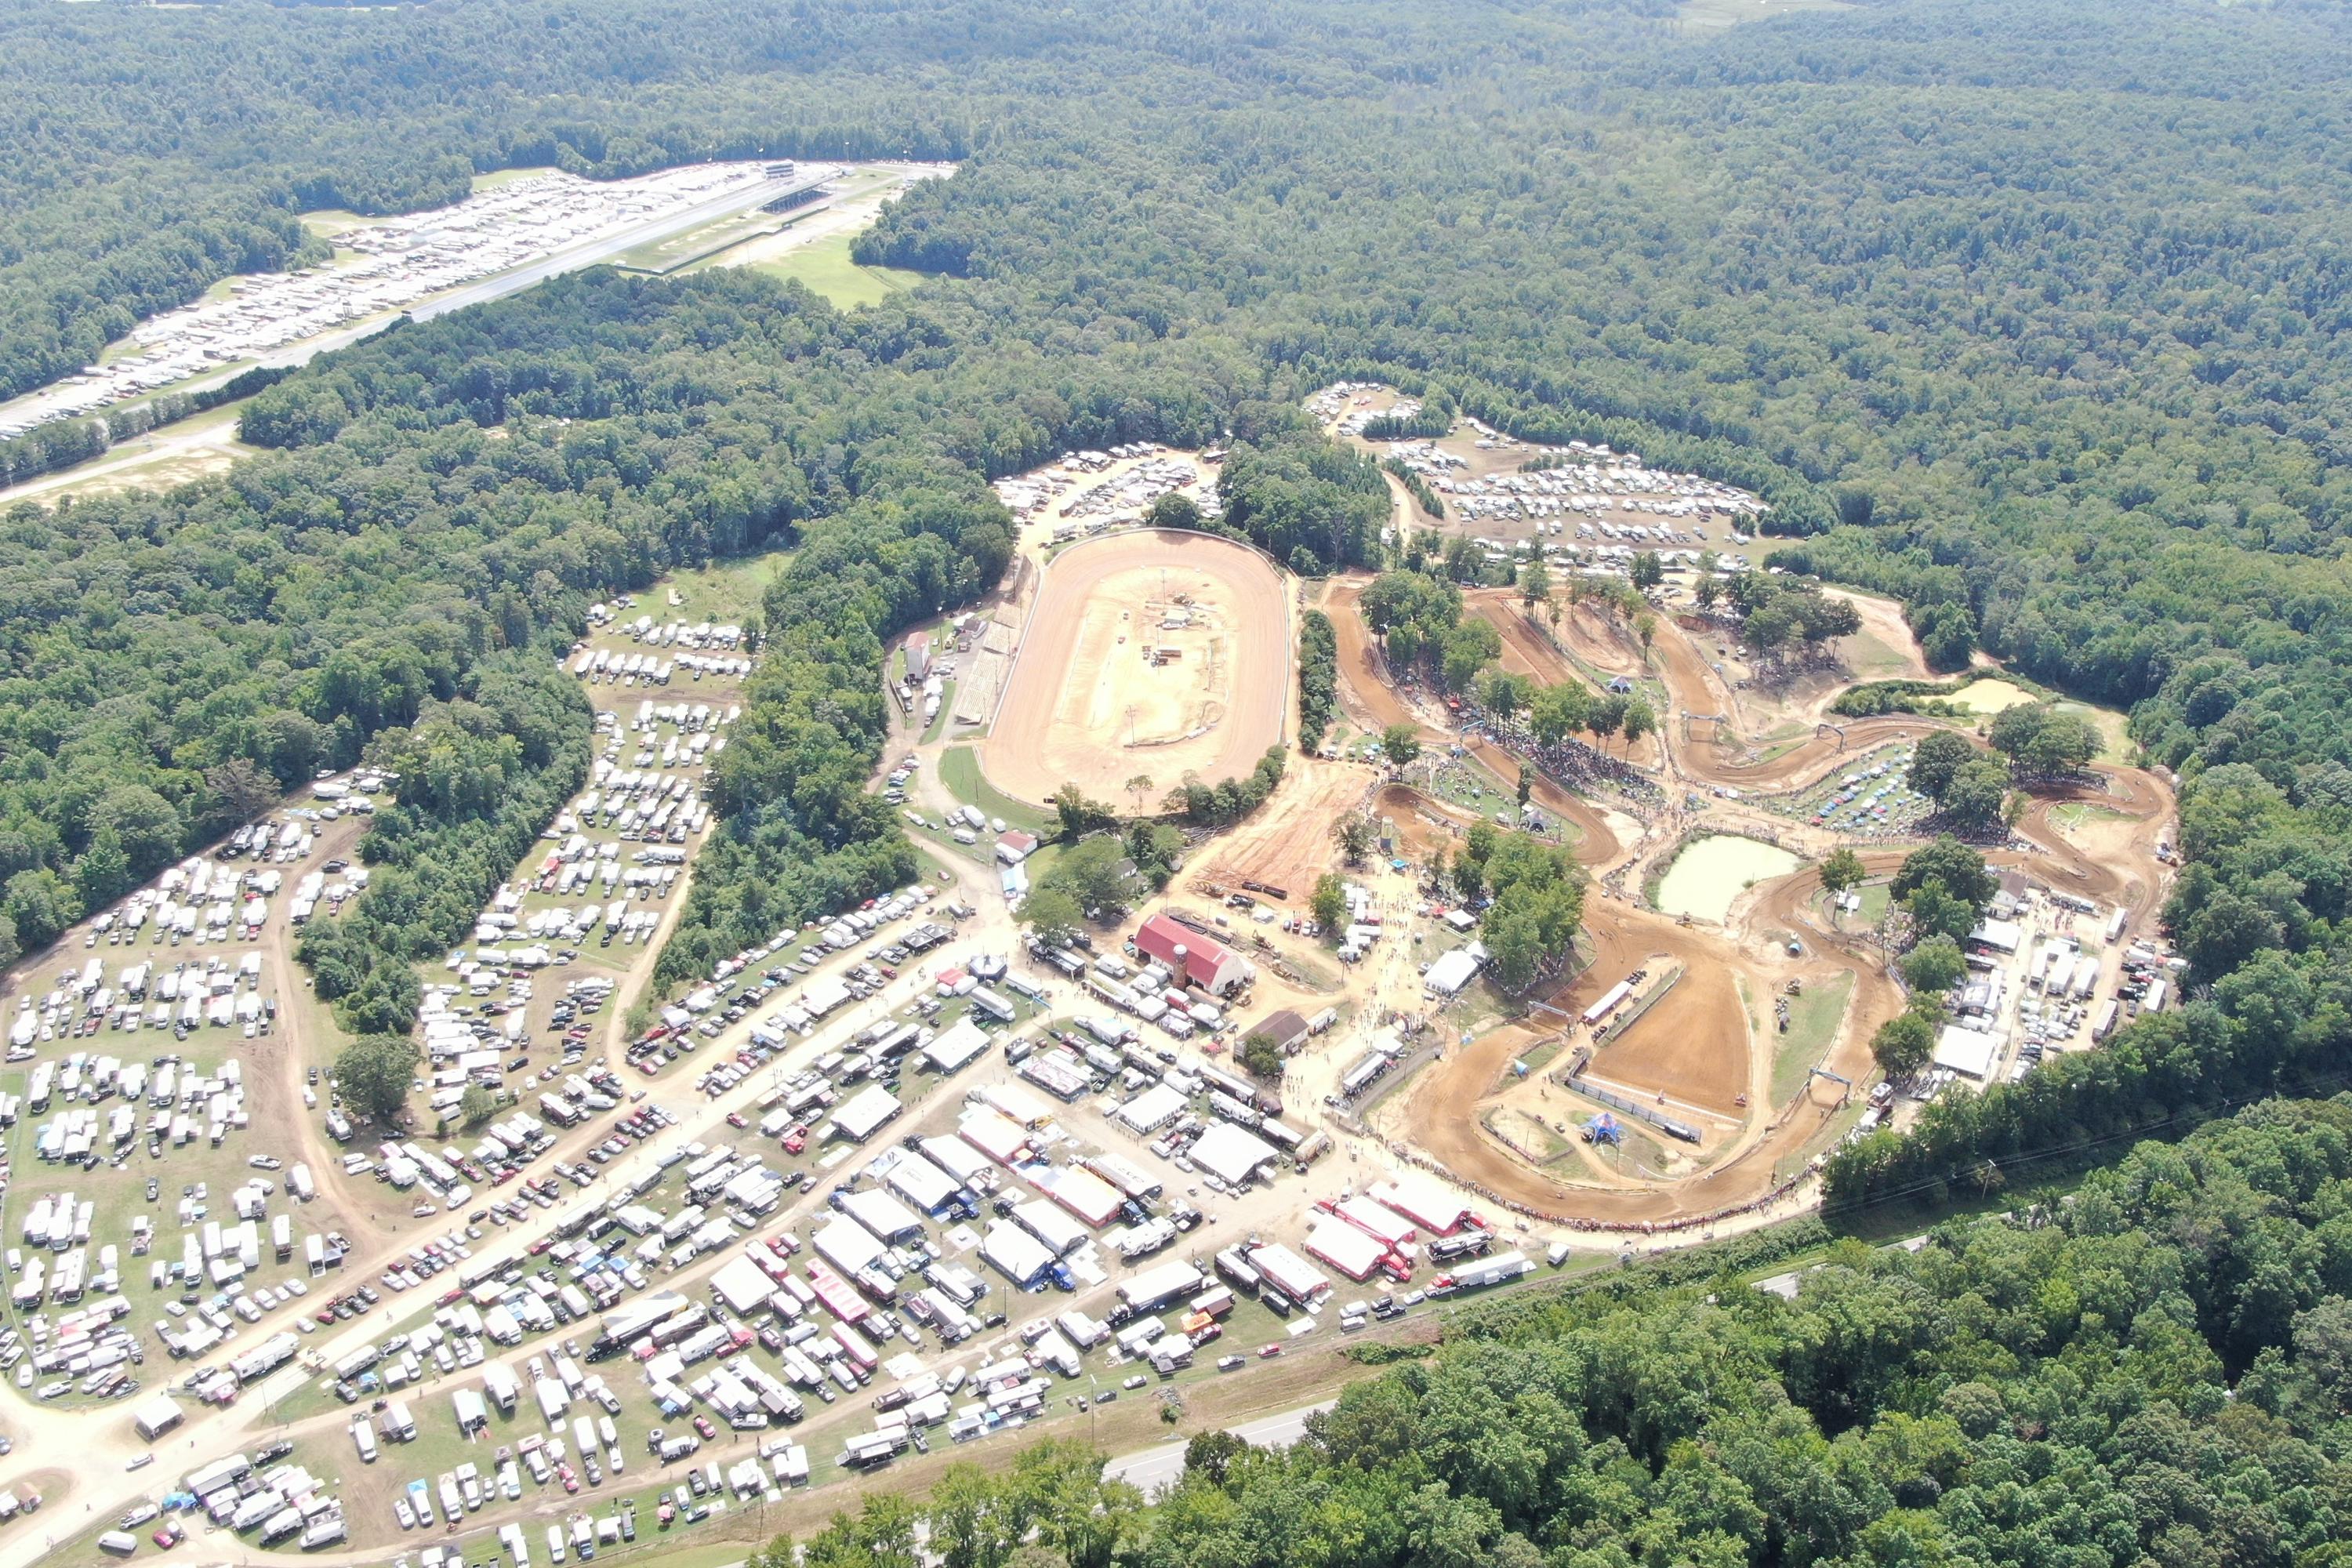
[(1017, 1255), (1153, 1109), (1449, 975), (1083, 1194), (742, 1285), (964, 1161), (995, 1135), (919, 1182), (1289, 1273), (847, 1246), (890, 1221), (1014, 1103), (864, 1113), (1382, 1222)]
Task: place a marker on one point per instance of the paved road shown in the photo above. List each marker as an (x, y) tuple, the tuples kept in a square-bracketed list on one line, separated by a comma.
[(1161, 1466)]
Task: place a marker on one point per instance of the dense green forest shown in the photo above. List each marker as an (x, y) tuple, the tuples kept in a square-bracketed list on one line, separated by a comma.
[(2031, 315), (2157, 1372)]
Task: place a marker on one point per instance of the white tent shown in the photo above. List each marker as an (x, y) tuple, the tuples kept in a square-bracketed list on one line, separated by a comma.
[(1153, 1109), (1969, 1052), (743, 1284), (1021, 1257), (866, 1113), (919, 1182), (1450, 973), (1345, 1248), (1230, 1153), (962, 1042)]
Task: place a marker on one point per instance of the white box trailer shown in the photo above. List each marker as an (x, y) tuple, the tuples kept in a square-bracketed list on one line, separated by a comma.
[(2062, 969)]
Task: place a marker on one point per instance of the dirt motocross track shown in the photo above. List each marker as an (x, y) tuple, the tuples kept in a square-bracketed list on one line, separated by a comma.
[(1699, 1046), (1367, 696)]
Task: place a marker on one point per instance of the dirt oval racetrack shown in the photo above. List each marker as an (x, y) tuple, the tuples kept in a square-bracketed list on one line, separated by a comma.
[(1086, 703)]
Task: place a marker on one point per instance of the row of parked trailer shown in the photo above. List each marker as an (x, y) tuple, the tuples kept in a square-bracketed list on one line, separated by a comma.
[(618, 667)]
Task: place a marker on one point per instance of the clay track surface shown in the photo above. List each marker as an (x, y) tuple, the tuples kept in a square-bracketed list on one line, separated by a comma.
[(2120, 866), (1691, 1045), (1412, 812), (1527, 650), (1527, 645), (1373, 704), (1364, 696), (1041, 738), (1806, 762), (1694, 1044), (1600, 847), (1601, 642), (1693, 683), (1287, 843)]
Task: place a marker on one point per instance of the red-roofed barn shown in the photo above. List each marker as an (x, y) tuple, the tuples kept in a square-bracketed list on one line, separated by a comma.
[(1192, 958)]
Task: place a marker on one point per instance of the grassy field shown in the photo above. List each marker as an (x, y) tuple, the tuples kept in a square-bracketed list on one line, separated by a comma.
[(1636, 1153), (960, 772), (2114, 736), (826, 266), (725, 591), (1467, 783), (192, 448), (1869, 657), (677, 250), (2080, 814), (1813, 1024), (328, 222)]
